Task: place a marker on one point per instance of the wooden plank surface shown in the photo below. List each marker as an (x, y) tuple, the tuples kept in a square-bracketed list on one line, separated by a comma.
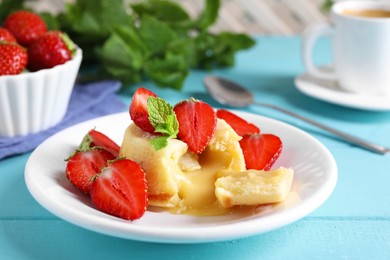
[(354, 223), (310, 238), (269, 17)]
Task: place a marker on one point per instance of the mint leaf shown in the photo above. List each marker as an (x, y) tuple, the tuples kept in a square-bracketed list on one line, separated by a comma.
[(123, 55), (163, 118), (218, 50), (155, 34), (159, 142), (327, 5), (9, 6), (166, 11), (50, 20), (184, 48), (124, 48), (95, 17), (209, 14), (168, 71), (236, 41), (90, 22)]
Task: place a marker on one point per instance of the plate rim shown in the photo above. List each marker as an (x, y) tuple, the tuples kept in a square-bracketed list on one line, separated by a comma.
[(182, 235)]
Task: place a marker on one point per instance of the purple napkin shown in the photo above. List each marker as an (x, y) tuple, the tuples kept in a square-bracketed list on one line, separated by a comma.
[(87, 101)]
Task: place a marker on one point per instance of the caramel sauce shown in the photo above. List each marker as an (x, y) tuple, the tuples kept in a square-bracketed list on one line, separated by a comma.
[(198, 193)]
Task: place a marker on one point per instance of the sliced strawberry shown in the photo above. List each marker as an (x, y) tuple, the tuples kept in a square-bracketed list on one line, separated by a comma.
[(197, 122), (139, 110), (121, 190), (260, 150), (95, 138), (241, 126), (83, 165)]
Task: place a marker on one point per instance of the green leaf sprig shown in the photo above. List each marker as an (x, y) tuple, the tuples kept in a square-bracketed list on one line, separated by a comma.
[(163, 119)]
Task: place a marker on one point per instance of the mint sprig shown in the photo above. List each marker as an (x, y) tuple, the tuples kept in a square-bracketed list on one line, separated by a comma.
[(163, 119)]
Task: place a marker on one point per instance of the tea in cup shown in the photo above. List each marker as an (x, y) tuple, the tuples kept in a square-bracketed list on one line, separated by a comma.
[(360, 32)]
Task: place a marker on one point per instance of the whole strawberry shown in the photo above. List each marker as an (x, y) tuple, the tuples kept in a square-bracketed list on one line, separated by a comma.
[(50, 49), (25, 26), (6, 36), (13, 58)]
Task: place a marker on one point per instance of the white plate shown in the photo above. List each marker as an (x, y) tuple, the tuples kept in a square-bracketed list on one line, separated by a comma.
[(314, 180), (329, 91)]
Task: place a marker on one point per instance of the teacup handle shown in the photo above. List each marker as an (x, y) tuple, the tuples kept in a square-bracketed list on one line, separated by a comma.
[(309, 38)]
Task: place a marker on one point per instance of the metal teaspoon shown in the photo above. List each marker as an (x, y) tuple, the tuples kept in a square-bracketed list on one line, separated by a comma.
[(230, 93)]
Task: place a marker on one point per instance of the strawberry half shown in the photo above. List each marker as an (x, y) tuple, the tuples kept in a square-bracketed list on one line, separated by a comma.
[(197, 122), (121, 190), (240, 126), (97, 139), (25, 26), (139, 109), (260, 150), (83, 165)]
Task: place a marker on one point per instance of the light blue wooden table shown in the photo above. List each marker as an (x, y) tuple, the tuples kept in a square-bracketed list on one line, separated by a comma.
[(354, 223)]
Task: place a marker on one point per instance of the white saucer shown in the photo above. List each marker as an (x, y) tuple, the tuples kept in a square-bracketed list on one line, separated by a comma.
[(329, 91)]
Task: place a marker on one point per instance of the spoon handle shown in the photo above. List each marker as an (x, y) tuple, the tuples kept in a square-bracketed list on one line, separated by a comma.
[(351, 139)]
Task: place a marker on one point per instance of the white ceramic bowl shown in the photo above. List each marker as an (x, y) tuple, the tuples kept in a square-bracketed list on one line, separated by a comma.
[(34, 101)]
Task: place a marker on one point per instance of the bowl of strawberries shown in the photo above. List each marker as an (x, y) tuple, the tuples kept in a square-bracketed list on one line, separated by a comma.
[(38, 69)]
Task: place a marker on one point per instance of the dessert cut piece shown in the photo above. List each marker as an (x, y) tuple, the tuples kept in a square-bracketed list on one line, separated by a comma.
[(254, 187), (180, 179), (161, 166)]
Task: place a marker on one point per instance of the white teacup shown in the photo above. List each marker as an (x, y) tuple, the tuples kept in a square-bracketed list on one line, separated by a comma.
[(360, 33)]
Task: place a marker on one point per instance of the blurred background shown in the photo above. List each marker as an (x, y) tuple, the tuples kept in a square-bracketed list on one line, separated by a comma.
[(267, 17)]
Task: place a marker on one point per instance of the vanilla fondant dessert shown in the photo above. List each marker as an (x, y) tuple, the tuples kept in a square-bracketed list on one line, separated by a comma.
[(178, 178), (201, 168), (186, 159)]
